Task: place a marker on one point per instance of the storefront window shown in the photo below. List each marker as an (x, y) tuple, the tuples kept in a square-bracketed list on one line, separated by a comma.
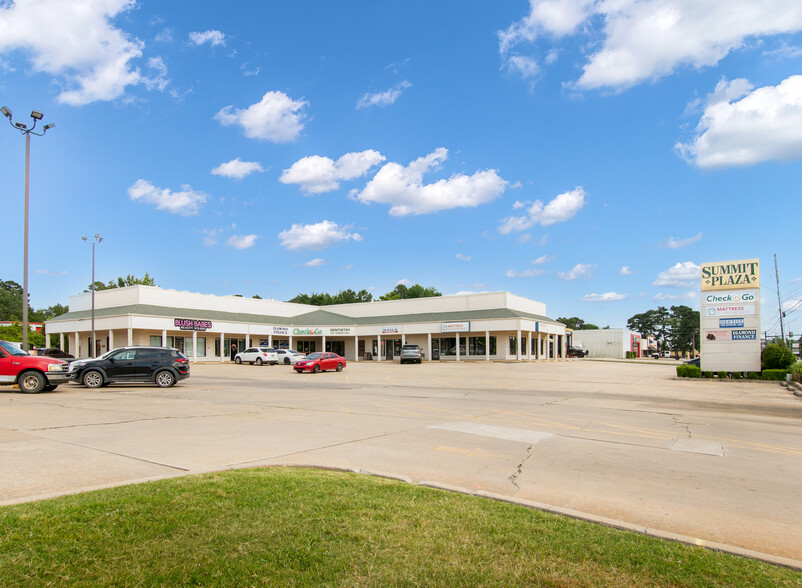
[(513, 346), (201, 346)]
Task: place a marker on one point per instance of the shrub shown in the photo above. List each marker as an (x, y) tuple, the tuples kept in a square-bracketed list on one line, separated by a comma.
[(707, 374), (689, 371), (776, 357), (736, 375), (773, 374), (753, 376), (722, 375), (796, 371)]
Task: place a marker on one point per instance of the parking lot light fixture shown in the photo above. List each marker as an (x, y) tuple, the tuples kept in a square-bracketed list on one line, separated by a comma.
[(22, 128), (95, 241)]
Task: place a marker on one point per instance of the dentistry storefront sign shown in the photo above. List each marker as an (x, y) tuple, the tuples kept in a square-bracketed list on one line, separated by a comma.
[(730, 315)]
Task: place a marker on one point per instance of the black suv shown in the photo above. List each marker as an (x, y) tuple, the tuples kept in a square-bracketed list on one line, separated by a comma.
[(160, 365)]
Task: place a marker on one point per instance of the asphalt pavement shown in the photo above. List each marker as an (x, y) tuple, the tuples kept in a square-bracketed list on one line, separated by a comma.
[(711, 463)]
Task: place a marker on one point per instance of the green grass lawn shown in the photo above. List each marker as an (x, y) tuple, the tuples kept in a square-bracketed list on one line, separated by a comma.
[(290, 527)]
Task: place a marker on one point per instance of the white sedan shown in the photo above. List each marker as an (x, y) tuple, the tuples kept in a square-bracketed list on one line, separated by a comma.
[(257, 355), (288, 356)]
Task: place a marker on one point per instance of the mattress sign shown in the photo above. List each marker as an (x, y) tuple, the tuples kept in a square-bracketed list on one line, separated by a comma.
[(730, 310)]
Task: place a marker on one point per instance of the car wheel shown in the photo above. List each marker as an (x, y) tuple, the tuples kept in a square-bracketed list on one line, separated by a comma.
[(258, 361), (316, 369), (237, 360), (287, 361), (339, 367), (32, 383), (92, 379), (164, 379)]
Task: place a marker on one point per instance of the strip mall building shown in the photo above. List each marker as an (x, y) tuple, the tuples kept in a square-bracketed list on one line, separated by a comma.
[(489, 326)]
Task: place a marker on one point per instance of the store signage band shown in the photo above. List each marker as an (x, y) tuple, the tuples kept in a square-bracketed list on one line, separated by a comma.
[(455, 327), (340, 330), (386, 330), (192, 324), (309, 331)]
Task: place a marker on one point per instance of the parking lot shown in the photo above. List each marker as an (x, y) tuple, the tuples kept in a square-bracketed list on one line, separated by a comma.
[(717, 461)]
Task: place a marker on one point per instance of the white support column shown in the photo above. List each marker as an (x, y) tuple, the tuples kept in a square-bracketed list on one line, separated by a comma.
[(529, 346), (356, 347), (518, 345), (457, 346), (195, 346), (379, 347), (61, 341), (164, 337), (429, 345), (111, 340), (324, 343), (403, 339), (247, 338), (291, 348), (487, 345), (130, 337), (77, 352), (270, 340)]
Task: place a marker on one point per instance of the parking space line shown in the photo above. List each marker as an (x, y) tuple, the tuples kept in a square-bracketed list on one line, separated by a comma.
[(462, 414), (398, 409)]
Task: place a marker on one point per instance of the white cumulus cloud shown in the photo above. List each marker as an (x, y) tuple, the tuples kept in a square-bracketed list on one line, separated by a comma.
[(316, 174), (315, 236), (580, 270), (765, 124), (79, 45), (276, 117), (562, 208), (383, 98), (674, 243), (625, 270), (606, 297), (463, 257), (187, 202), (317, 262), (634, 41), (237, 169), (403, 189), (214, 38), (528, 273), (242, 241), (680, 275)]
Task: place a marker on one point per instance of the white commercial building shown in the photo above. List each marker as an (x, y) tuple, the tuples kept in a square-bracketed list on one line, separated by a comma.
[(610, 343), (490, 326)]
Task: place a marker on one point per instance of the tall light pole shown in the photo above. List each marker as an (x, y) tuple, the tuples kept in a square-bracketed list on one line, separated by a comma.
[(23, 128), (96, 240)]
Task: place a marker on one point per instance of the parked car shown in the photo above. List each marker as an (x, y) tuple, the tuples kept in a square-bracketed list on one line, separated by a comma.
[(31, 373), (288, 356), (55, 352), (257, 355), (411, 353), (319, 362), (576, 351), (161, 365), (697, 361)]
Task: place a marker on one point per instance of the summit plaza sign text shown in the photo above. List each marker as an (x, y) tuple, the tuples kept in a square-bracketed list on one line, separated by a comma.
[(730, 289)]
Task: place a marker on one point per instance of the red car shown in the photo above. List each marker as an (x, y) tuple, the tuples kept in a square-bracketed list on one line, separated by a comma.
[(319, 362)]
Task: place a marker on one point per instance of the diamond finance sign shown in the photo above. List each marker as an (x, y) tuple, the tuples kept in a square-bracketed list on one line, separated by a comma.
[(730, 315)]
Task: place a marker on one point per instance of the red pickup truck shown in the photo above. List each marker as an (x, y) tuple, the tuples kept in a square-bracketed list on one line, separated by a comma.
[(31, 373)]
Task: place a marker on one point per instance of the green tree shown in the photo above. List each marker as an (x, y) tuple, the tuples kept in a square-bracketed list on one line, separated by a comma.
[(776, 357), (325, 299), (121, 282), (652, 322), (11, 301), (684, 323), (575, 323), (402, 292)]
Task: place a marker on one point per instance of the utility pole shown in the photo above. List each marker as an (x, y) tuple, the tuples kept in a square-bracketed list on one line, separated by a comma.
[(779, 300)]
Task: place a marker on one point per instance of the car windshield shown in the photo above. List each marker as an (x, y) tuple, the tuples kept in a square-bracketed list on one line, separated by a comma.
[(11, 349), (314, 356)]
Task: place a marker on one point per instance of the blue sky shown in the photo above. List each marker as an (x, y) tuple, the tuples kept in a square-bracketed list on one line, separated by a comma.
[(587, 154)]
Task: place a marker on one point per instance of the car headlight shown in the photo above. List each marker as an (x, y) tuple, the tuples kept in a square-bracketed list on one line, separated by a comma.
[(57, 367)]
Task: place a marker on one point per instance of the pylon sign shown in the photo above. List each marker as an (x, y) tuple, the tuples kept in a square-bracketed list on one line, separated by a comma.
[(730, 315)]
